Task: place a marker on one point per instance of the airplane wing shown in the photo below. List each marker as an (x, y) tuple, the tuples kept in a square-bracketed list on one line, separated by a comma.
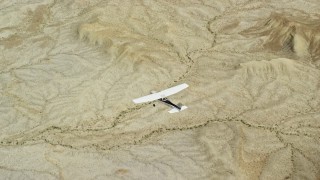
[(148, 98), (161, 94)]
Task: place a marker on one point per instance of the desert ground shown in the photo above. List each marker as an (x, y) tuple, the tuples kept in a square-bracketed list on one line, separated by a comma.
[(69, 70)]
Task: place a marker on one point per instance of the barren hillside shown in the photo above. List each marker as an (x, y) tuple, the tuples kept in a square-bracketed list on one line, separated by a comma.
[(69, 70)]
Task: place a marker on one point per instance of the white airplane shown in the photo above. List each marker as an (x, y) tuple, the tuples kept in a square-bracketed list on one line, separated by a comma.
[(161, 96)]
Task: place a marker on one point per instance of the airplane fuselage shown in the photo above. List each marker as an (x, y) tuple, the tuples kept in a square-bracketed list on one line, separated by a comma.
[(169, 103)]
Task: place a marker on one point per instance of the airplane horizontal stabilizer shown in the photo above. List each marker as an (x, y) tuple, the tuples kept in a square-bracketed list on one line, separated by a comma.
[(175, 110)]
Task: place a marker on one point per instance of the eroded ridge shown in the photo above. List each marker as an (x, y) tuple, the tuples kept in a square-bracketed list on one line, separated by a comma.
[(69, 70), (295, 34)]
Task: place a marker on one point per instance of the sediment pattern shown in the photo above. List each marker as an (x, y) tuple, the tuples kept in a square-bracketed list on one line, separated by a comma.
[(69, 70)]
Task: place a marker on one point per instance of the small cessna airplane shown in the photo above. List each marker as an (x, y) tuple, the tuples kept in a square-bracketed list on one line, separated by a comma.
[(161, 96)]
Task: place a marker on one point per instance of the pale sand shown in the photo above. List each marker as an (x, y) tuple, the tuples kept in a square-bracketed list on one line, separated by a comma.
[(69, 70)]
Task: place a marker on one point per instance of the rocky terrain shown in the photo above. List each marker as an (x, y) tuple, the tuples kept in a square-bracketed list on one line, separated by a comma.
[(69, 70)]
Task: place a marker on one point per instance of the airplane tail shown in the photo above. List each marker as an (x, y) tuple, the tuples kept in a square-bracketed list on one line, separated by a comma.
[(175, 110)]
